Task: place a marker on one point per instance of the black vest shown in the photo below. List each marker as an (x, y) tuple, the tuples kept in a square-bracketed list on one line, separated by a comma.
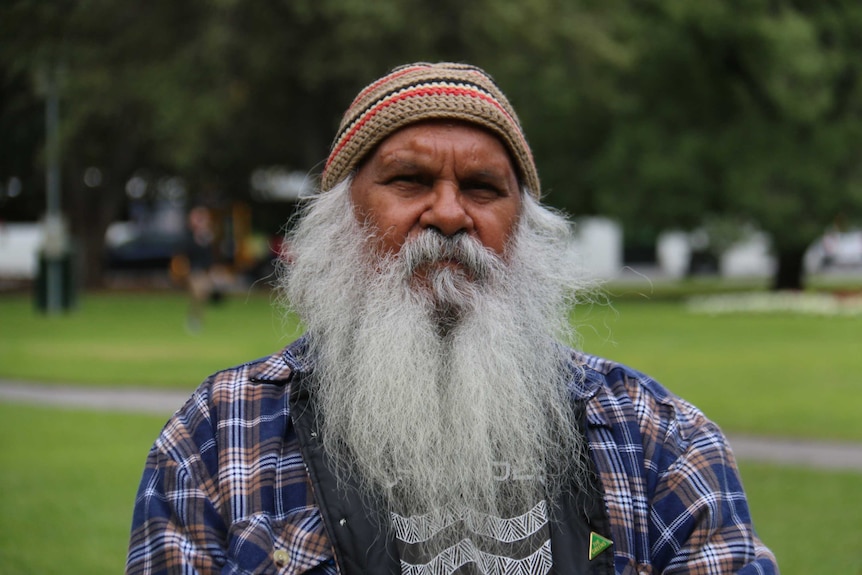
[(359, 535)]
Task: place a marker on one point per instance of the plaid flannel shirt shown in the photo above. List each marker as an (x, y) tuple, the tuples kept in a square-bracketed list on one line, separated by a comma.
[(225, 488)]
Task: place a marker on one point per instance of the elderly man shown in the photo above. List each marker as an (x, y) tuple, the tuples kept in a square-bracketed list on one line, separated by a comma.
[(431, 420)]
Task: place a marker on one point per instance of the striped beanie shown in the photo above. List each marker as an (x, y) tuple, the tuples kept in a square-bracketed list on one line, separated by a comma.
[(417, 92)]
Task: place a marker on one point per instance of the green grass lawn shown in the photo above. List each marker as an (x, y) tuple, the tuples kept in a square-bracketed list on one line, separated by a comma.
[(135, 340), (772, 374), (779, 374), (810, 519), (67, 486)]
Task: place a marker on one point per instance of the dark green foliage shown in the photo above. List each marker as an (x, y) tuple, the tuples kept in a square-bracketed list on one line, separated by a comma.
[(661, 113)]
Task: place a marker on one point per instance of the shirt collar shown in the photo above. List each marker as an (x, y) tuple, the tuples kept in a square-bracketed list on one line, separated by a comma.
[(282, 367), (588, 385)]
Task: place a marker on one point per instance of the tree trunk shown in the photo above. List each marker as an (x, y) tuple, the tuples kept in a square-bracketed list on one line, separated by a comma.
[(90, 212), (790, 273)]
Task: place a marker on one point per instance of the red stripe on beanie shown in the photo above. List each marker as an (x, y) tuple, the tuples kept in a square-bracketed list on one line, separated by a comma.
[(417, 92)]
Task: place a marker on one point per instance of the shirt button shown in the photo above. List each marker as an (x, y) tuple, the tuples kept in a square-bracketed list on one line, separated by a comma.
[(281, 557)]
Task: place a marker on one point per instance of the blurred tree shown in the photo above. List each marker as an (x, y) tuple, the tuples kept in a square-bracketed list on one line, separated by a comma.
[(660, 112), (557, 62), (128, 97), (748, 109), (22, 133)]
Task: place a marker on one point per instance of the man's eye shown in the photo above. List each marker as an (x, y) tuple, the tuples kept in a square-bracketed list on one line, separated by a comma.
[(483, 189), (405, 179)]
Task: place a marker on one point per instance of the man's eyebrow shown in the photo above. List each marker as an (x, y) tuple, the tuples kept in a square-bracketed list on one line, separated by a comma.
[(396, 162), (486, 175)]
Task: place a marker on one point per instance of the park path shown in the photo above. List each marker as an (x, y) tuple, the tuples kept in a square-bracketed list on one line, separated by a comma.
[(805, 453)]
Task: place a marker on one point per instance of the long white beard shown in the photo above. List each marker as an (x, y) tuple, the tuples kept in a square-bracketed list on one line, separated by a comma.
[(452, 392)]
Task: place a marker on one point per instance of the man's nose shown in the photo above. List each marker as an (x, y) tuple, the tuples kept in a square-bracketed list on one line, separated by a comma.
[(446, 211)]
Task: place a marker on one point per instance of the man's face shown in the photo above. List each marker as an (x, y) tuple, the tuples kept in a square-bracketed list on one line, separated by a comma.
[(455, 178), (437, 359)]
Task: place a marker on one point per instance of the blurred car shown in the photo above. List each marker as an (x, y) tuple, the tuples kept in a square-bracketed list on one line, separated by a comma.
[(127, 249)]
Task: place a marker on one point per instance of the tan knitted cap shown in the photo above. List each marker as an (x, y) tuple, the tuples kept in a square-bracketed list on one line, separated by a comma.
[(417, 92)]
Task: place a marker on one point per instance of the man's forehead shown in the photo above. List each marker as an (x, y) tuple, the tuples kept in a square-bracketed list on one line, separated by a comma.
[(412, 147)]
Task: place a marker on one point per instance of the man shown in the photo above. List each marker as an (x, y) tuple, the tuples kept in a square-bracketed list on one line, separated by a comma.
[(430, 420), (199, 253)]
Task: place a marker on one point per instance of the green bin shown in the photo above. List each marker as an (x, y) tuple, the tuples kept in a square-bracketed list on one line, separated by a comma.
[(63, 268)]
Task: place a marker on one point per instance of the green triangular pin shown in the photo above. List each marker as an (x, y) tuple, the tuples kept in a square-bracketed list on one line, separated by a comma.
[(598, 544)]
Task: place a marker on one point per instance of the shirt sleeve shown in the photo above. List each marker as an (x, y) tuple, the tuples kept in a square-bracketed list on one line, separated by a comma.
[(672, 488), (700, 522), (225, 490), (176, 525)]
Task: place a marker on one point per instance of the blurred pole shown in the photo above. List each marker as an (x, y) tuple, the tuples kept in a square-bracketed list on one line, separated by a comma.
[(55, 241), (52, 118)]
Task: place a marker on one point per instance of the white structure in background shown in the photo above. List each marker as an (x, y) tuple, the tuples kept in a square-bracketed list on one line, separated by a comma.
[(751, 257), (277, 183), (600, 244), (19, 249), (837, 249), (673, 253)]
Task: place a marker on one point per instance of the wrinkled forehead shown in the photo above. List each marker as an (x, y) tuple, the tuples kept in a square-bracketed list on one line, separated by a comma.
[(396, 143)]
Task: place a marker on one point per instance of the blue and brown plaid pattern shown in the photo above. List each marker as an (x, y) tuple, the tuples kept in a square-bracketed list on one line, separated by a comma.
[(225, 488), (672, 489)]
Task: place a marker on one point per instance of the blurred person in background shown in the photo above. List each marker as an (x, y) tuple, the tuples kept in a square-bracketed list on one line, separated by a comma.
[(432, 418), (199, 255)]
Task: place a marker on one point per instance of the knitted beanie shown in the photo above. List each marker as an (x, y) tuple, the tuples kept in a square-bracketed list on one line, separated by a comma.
[(417, 92)]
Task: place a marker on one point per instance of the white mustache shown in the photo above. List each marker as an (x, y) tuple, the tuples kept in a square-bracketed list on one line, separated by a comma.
[(431, 247)]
